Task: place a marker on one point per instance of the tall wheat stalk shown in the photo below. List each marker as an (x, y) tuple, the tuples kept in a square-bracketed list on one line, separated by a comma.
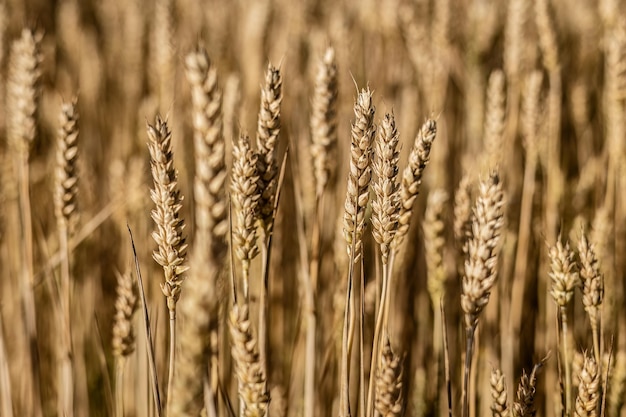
[(172, 248)]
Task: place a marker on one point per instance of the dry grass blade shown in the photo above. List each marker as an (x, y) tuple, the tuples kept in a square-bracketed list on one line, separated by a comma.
[(252, 380), (324, 120)]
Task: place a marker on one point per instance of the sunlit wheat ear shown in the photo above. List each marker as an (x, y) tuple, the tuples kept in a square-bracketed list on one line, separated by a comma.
[(412, 176), (434, 244), (245, 196), (386, 205), (268, 128), (389, 383), (481, 265), (564, 277), (324, 120), (209, 151), (592, 280), (588, 389), (66, 178), (499, 406), (172, 249), (357, 194), (24, 71), (248, 367)]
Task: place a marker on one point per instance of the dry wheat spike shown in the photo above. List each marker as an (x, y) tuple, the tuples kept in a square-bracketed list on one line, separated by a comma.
[(268, 129), (388, 382), (357, 194), (125, 306), (412, 176), (482, 261), (66, 189), (434, 244), (463, 213), (386, 205), (564, 278), (588, 388), (524, 405), (324, 120), (591, 278), (172, 248), (499, 406)]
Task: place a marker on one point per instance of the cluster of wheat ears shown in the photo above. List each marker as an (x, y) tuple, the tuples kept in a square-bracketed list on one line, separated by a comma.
[(458, 253)]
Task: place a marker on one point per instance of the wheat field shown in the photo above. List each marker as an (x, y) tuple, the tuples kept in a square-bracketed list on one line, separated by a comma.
[(312, 208)]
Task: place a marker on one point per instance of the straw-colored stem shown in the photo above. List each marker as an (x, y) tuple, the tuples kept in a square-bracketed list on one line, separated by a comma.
[(66, 379), (119, 387), (566, 362), (467, 368), (379, 330), (172, 358)]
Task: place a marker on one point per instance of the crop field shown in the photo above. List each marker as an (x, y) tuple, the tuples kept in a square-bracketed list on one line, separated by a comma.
[(311, 208)]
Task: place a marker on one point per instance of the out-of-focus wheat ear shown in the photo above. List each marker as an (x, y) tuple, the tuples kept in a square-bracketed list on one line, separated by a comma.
[(564, 279), (6, 404), (278, 405), (412, 176), (617, 385), (248, 368), (357, 195), (588, 389), (386, 205), (514, 35), (463, 213), (162, 53), (592, 282), (66, 179), (499, 405), (198, 311), (123, 342), (524, 405), (245, 195), (547, 35), (268, 128), (172, 248), (388, 382), (495, 113), (22, 94), (482, 260), (434, 244), (209, 151), (324, 121)]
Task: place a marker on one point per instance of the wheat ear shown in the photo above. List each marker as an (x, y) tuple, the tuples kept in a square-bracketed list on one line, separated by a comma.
[(248, 367), (592, 282), (66, 188), (499, 405), (172, 248), (495, 114), (24, 71), (245, 196), (412, 176), (324, 120), (481, 264), (524, 405), (389, 376), (123, 333), (588, 388), (434, 245), (564, 279)]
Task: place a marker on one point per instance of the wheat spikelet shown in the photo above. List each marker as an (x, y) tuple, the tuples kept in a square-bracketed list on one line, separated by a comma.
[(168, 235), (588, 389), (481, 263), (592, 280), (125, 307), (246, 196), (498, 394), (564, 278), (268, 129), (23, 91), (66, 179), (324, 120), (386, 206), (412, 176), (209, 150), (357, 195), (388, 382), (248, 367), (434, 244)]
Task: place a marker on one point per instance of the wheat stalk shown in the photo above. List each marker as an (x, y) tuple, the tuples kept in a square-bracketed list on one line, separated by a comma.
[(172, 248)]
